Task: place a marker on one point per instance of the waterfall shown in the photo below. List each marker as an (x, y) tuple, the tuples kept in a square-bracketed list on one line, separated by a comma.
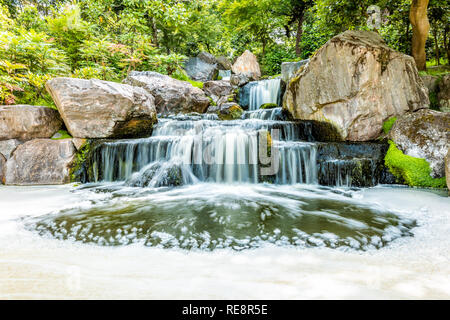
[(190, 148), (224, 74), (264, 91)]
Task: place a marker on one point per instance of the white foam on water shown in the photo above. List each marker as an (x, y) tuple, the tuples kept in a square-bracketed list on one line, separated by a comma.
[(39, 268)]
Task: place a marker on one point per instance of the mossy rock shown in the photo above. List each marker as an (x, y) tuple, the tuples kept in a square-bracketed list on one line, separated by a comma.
[(230, 112), (415, 172), (79, 171), (268, 106)]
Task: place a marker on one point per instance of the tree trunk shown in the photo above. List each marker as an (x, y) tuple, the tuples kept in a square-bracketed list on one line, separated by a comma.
[(154, 32), (420, 28), (298, 38), (436, 47), (264, 43), (447, 44)]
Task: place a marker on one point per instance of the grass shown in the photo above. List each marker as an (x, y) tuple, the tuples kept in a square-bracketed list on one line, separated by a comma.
[(437, 71), (415, 172)]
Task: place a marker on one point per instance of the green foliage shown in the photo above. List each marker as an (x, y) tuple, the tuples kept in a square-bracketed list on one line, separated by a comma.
[(271, 62), (434, 103), (415, 172), (69, 30), (387, 125), (437, 71)]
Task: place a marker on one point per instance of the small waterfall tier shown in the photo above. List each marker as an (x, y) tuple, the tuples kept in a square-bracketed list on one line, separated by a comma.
[(187, 149), (256, 93), (261, 147)]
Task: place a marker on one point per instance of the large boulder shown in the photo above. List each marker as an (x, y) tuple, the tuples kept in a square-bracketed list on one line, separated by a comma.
[(2, 167), (424, 134), (40, 162), (217, 89), (444, 93), (288, 69), (27, 122), (356, 82), (248, 65), (103, 109), (204, 67), (8, 146), (171, 95)]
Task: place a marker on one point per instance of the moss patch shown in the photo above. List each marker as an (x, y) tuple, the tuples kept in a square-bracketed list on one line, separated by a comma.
[(268, 106), (415, 172), (387, 125), (61, 134), (197, 84), (78, 168)]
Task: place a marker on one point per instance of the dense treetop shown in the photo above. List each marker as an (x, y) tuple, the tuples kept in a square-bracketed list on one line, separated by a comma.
[(105, 39)]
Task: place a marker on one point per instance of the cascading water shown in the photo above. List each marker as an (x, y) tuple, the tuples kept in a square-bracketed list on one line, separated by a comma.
[(264, 91), (238, 184), (186, 149)]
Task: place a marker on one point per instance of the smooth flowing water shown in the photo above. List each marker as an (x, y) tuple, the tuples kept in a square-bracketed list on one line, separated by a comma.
[(264, 91), (48, 263)]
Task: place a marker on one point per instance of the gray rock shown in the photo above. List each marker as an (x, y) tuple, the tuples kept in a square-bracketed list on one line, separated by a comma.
[(171, 95), (288, 69), (78, 143), (224, 63), (27, 122), (430, 82), (239, 80), (200, 70), (248, 65), (103, 109), (217, 89), (2, 168), (8, 146), (40, 162), (444, 93), (424, 134), (207, 57), (356, 82)]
